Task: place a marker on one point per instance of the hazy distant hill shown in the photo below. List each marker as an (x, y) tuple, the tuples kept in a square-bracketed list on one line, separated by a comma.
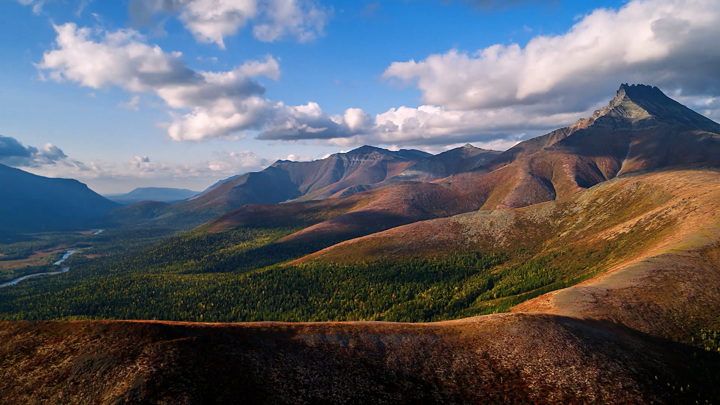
[(33, 203), (318, 179), (160, 194)]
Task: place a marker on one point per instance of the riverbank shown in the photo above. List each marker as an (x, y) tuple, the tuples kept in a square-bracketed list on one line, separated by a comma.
[(49, 273)]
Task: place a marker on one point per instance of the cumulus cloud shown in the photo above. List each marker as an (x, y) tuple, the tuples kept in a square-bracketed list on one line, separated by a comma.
[(11, 148), (667, 43), (212, 21), (495, 95), (140, 170), (500, 93), (230, 163), (51, 161), (219, 103), (14, 153), (223, 164), (310, 122), (425, 125)]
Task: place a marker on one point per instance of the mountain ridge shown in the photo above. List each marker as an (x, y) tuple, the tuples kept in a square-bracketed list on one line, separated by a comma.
[(33, 203)]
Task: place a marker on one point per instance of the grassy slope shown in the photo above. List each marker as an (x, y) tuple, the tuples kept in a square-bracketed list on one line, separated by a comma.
[(466, 265), (660, 228)]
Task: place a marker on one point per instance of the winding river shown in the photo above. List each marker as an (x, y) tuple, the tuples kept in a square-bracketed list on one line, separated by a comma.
[(49, 273)]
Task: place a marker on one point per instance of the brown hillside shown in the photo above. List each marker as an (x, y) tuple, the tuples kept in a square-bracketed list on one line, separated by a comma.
[(652, 239), (495, 359), (640, 129)]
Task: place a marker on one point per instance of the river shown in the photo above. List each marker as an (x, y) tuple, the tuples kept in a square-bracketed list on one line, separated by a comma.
[(49, 273)]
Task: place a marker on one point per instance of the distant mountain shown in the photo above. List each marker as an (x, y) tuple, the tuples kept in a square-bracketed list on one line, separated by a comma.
[(285, 180), (640, 129), (447, 163), (33, 203), (160, 194)]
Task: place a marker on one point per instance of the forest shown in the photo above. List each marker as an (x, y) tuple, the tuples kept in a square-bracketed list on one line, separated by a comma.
[(242, 274)]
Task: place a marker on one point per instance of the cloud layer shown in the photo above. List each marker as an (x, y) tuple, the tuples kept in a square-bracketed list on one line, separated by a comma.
[(203, 104), (502, 92), (212, 21), (506, 91), (667, 43), (219, 103)]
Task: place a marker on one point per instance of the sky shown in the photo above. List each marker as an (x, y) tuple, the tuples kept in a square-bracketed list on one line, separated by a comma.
[(122, 94)]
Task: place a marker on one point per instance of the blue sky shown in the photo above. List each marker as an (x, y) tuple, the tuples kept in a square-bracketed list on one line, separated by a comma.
[(182, 93)]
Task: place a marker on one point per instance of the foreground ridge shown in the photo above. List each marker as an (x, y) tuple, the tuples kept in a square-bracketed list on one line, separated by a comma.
[(495, 359)]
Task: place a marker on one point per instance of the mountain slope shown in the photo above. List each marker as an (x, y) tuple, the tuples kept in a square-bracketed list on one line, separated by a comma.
[(640, 129), (447, 163), (656, 231), (286, 180), (33, 203), (621, 138), (622, 336)]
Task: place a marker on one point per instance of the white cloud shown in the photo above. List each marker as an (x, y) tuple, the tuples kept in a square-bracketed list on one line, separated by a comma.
[(219, 103), (37, 5), (14, 153), (428, 125), (493, 96), (502, 93), (303, 20), (212, 21), (298, 158), (140, 170), (231, 163), (132, 104), (144, 169), (82, 6), (425, 125), (667, 43), (311, 122)]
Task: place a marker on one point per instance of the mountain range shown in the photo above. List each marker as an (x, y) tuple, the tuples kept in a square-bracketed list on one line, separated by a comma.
[(338, 175), (576, 267)]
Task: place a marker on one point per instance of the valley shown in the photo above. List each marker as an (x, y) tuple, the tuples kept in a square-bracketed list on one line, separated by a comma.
[(579, 266)]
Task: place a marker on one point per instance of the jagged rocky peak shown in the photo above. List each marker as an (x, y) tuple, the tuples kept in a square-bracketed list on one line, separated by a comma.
[(623, 112), (642, 92), (639, 106)]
